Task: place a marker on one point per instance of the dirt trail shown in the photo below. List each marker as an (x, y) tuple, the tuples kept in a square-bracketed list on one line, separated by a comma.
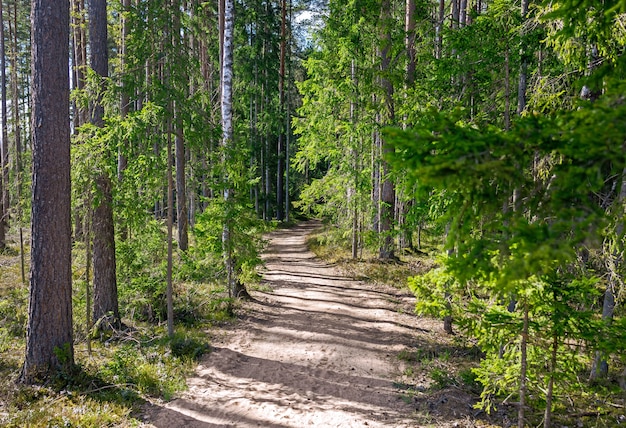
[(319, 350)]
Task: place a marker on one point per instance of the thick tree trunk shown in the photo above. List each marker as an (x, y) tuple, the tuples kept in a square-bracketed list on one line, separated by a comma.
[(49, 341), (106, 309)]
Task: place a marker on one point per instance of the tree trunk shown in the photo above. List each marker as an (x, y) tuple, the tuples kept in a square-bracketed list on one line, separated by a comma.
[(376, 181), (49, 341), (4, 144), (80, 57), (388, 194), (507, 90), (280, 155), (17, 129), (439, 29), (356, 170), (523, 367), (288, 113), (547, 420), (170, 220), (181, 185), (523, 71), (5, 133), (79, 61), (106, 309), (182, 213), (122, 161), (236, 289)]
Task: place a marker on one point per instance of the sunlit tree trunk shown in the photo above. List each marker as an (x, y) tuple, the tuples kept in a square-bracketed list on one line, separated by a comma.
[(5, 133), (181, 153), (439, 29), (403, 206), (122, 161), (388, 194), (236, 289), (49, 338), (280, 168), (15, 103), (170, 220), (355, 159), (106, 308), (4, 144)]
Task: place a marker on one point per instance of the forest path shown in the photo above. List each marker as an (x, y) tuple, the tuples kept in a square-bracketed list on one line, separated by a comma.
[(318, 350)]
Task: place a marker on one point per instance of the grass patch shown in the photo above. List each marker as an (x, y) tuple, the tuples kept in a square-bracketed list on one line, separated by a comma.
[(108, 385), (334, 246)]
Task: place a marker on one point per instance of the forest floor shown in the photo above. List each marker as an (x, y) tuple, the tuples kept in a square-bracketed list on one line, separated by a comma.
[(317, 348)]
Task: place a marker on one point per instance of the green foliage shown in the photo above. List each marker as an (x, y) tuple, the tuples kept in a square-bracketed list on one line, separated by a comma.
[(431, 290), (13, 312), (204, 260), (188, 348), (524, 252), (141, 273), (145, 370)]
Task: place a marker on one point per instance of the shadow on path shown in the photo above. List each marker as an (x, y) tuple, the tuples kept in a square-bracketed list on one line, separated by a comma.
[(319, 350)]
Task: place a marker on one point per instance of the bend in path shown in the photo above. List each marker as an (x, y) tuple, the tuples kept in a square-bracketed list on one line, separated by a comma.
[(319, 350)]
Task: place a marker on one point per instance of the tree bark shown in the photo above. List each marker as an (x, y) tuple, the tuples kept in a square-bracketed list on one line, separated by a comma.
[(106, 308), (521, 411), (4, 144), (236, 289), (5, 133), (439, 29), (49, 339), (388, 194), (600, 366), (181, 185), (122, 161), (17, 128), (523, 72), (280, 158), (170, 220)]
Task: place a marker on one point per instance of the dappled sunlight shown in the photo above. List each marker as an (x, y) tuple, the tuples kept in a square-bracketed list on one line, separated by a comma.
[(319, 350)]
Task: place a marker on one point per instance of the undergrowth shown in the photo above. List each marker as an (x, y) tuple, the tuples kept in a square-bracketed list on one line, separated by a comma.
[(114, 374), (440, 373), (334, 246)]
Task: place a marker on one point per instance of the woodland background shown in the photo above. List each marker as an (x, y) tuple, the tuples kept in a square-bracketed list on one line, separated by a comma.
[(488, 134)]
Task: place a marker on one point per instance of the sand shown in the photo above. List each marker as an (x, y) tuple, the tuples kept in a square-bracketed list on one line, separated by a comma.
[(318, 350)]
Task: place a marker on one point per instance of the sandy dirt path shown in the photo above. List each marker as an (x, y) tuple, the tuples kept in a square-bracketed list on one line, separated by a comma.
[(318, 350)]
